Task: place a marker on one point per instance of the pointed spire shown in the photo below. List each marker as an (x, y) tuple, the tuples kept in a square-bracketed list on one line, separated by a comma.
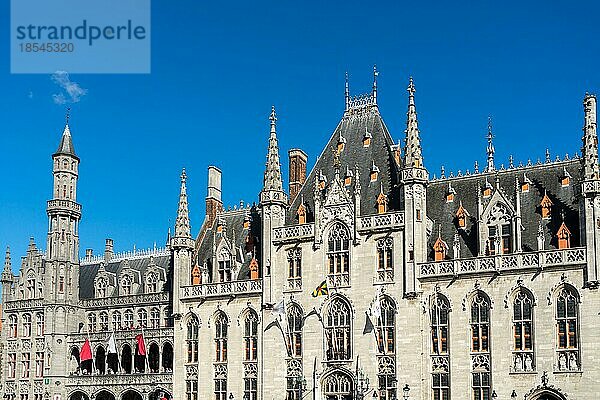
[(272, 179), (182, 223), (490, 147), (412, 150), (375, 74), (66, 142), (589, 149), (347, 93)]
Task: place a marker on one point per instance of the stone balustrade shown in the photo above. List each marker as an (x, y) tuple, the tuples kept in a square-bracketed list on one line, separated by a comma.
[(504, 262), (222, 289), (25, 304), (294, 233), (138, 299), (386, 221), (122, 335)]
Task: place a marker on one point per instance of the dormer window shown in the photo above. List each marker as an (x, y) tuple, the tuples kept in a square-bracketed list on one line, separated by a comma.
[(348, 177), (374, 174), (450, 194), (546, 206), (224, 266), (254, 269), (366, 139), (246, 222), (440, 249), (322, 180), (341, 143), (152, 283), (101, 287), (461, 216), (126, 285), (525, 187), (499, 230), (301, 214), (566, 178), (487, 192), (196, 275), (382, 202), (564, 237)]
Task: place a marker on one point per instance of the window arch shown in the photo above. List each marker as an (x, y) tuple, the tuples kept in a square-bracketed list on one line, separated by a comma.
[(251, 336), (30, 286), (221, 337), (480, 346), (338, 255), (116, 320), (338, 344), (385, 260), (155, 318), (101, 287), (499, 230), (142, 318), (128, 319), (386, 326), (567, 328), (192, 339), (523, 338), (126, 285), (295, 320), (103, 320), (338, 386), (26, 325), (224, 265), (12, 326), (91, 322), (152, 283), (440, 351)]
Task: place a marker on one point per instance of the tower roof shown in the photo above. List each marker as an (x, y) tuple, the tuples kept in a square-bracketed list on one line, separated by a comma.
[(182, 224), (66, 143), (7, 274), (272, 179), (412, 151)]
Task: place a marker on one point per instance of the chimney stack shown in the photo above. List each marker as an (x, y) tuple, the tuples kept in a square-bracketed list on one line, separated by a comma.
[(297, 164), (89, 253), (109, 250), (214, 203)]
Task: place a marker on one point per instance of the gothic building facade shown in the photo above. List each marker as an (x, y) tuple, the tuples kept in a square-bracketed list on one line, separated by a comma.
[(368, 277)]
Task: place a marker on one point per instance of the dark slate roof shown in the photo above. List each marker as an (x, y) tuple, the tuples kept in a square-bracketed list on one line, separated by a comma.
[(543, 177), (88, 272), (66, 144), (352, 128), (244, 242)]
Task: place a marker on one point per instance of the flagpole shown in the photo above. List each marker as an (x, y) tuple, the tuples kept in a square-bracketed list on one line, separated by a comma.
[(87, 330)]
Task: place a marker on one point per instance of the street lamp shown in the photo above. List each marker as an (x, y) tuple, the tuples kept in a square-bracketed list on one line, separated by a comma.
[(230, 396), (405, 391), (494, 395), (374, 394), (513, 396)]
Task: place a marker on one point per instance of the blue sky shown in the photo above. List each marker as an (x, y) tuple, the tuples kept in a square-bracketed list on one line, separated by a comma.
[(217, 68)]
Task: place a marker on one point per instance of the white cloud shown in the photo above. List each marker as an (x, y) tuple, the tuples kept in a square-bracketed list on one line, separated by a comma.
[(71, 91)]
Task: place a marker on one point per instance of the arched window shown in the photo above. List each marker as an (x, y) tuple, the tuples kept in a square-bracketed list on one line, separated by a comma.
[(384, 310), (251, 336), (567, 328), (128, 319), (155, 318), (26, 325), (126, 284), (153, 357), (167, 357), (101, 287), (221, 337), (338, 386), (440, 362), (385, 260), (386, 326), (126, 359), (12, 326), (480, 346), (499, 230), (30, 287), (100, 360), (116, 320), (152, 283), (523, 359), (338, 344), (224, 265), (192, 339), (103, 320), (295, 320), (39, 322), (142, 318), (91, 322), (338, 255)]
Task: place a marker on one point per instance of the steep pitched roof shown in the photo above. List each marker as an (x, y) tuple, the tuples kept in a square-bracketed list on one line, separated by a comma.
[(66, 143), (355, 125)]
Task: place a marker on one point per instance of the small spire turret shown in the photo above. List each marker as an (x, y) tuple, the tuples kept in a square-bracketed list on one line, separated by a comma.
[(182, 223), (272, 178), (413, 157), (7, 275), (490, 147), (589, 149)]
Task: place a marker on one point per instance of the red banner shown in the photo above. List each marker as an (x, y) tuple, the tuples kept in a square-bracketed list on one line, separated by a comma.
[(86, 351), (141, 346)]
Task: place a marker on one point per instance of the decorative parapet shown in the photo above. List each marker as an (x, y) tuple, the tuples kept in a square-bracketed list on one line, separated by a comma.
[(222, 289), (121, 382), (122, 335), (386, 221), (22, 305), (505, 262), (62, 205), (126, 255), (590, 187), (294, 233), (138, 299)]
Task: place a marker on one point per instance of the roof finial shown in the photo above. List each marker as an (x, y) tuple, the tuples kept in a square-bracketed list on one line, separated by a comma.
[(375, 74), (67, 115), (273, 119), (347, 93), (411, 91), (548, 155), (490, 147)]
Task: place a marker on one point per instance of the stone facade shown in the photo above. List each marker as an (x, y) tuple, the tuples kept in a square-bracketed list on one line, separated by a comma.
[(373, 279)]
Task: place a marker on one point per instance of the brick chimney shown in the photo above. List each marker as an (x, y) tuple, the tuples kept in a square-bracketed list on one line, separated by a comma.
[(213, 197), (109, 250), (297, 160)]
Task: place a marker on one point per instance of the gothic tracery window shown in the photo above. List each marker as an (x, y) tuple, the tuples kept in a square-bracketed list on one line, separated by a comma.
[(116, 320), (567, 328), (499, 230), (338, 255), (440, 352), (338, 344), (128, 319), (385, 260), (251, 336), (152, 283), (523, 359), (295, 324), (126, 285), (386, 326), (221, 337), (26, 325), (101, 287), (142, 318), (224, 266), (192, 339), (480, 345), (30, 287), (91, 322), (103, 321), (155, 318), (12, 326), (294, 257)]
